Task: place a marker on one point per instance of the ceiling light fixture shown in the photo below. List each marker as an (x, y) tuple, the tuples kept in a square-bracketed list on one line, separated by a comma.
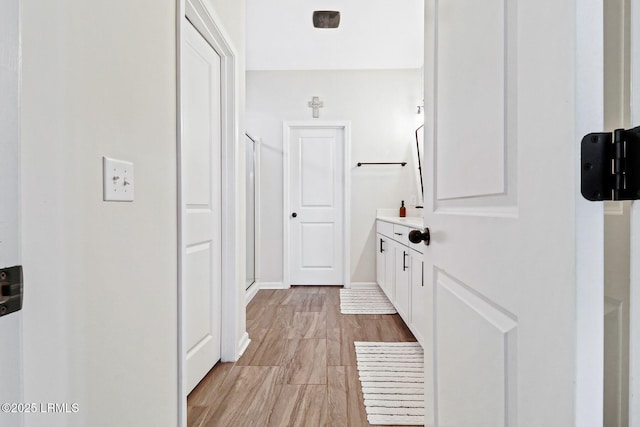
[(326, 18)]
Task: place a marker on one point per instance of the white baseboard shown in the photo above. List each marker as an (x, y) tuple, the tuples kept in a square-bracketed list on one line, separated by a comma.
[(273, 285), (243, 344), (363, 285), (252, 291)]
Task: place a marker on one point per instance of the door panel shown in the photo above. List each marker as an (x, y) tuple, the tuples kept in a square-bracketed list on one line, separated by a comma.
[(465, 321), (473, 40), (11, 378), (201, 205), (316, 196)]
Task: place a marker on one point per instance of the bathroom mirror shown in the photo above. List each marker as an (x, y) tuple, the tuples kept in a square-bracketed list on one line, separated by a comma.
[(418, 153)]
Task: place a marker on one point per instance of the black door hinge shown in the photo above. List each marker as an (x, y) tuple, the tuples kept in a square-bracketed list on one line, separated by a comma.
[(10, 290), (611, 165)]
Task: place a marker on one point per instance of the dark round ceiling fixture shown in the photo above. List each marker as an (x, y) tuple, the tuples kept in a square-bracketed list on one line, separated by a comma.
[(326, 19)]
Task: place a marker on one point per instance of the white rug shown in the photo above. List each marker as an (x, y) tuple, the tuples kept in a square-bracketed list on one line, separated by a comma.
[(392, 380), (365, 301)]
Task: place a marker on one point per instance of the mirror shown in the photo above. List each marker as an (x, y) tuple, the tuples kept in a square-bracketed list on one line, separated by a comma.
[(419, 162)]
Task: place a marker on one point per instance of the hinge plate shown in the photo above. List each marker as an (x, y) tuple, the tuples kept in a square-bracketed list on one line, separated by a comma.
[(10, 290), (610, 165)]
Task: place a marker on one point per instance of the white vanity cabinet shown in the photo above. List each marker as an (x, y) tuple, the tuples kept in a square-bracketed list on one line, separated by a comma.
[(400, 272)]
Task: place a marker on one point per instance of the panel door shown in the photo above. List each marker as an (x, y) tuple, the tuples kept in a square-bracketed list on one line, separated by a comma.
[(11, 377), (201, 205), (316, 202), (502, 273)]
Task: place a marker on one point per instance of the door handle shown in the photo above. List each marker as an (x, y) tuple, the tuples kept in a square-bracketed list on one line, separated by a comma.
[(293, 215), (417, 236)]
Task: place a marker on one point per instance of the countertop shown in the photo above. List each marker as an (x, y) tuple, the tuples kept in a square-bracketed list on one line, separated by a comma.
[(410, 221)]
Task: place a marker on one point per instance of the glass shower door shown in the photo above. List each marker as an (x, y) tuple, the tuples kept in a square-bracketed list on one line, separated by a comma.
[(251, 209)]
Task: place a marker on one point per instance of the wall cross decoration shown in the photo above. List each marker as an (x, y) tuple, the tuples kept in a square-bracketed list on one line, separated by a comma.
[(316, 104)]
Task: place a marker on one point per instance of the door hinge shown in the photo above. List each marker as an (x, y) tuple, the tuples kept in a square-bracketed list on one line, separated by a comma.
[(610, 164), (10, 289)]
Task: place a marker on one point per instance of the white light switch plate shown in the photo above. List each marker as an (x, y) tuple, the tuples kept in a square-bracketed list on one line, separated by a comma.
[(117, 181)]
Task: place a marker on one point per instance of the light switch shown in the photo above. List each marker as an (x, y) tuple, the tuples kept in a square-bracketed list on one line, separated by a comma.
[(118, 183)]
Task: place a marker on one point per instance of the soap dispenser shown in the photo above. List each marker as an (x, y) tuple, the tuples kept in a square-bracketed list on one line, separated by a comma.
[(403, 210)]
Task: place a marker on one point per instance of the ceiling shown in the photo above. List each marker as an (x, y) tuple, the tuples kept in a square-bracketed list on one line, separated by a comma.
[(373, 34)]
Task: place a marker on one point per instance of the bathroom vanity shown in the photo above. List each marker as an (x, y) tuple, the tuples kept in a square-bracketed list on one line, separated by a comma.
[(400, 269)]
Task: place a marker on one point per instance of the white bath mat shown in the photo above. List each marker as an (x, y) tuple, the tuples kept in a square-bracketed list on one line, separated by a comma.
[(365, 301), (392, 380)]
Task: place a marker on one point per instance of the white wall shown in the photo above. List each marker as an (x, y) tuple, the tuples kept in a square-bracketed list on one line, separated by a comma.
[(381, 105), (100, 325), (100, 312)]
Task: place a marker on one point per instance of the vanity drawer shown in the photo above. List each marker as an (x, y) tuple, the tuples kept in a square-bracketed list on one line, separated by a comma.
[(385, 228), (401, 234)]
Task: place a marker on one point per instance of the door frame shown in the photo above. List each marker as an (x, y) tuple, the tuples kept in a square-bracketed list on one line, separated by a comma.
[(287, 127), (634, 288), (589, 223), (207, 22)]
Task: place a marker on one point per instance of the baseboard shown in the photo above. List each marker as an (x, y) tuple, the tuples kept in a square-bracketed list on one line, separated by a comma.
[(243, 344), (252, 291), (272, 285), (363, 285)]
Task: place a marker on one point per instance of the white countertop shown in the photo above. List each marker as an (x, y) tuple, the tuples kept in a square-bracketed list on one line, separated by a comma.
[(409, 221)]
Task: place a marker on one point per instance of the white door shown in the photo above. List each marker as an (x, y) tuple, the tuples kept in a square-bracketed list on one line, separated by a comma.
[(505, 268), (201, 205), (10, 325), (316, 206)]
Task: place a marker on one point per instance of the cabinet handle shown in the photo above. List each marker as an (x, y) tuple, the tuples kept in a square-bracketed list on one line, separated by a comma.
[(404, 260), (423, 274), (398, 234), (381, 248)]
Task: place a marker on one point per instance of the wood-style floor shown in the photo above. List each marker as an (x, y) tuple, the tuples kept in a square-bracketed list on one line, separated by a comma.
[(300, 368)]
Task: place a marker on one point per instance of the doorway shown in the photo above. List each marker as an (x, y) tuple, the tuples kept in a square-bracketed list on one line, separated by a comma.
[(316, 203), (196, 16)]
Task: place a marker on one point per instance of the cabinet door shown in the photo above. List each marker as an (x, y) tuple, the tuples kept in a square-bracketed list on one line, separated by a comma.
[(419, 296), (402, 281), (390, 269), (381, 248)]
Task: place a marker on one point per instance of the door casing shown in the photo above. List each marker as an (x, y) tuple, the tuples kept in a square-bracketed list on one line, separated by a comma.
[(287, 126), (207, 22), (634, 294)]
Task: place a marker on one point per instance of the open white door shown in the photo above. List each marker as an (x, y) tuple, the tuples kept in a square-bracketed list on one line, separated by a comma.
[(11, 377), (201, 205), (316, 229), (506, 263)]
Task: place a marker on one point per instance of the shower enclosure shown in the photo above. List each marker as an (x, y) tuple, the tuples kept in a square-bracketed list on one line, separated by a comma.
[(250, 176)]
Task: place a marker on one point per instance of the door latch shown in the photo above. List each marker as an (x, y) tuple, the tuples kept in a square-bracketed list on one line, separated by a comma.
[(10, 290)]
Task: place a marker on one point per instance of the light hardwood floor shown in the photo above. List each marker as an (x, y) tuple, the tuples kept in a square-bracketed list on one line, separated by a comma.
[(300, 368)]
